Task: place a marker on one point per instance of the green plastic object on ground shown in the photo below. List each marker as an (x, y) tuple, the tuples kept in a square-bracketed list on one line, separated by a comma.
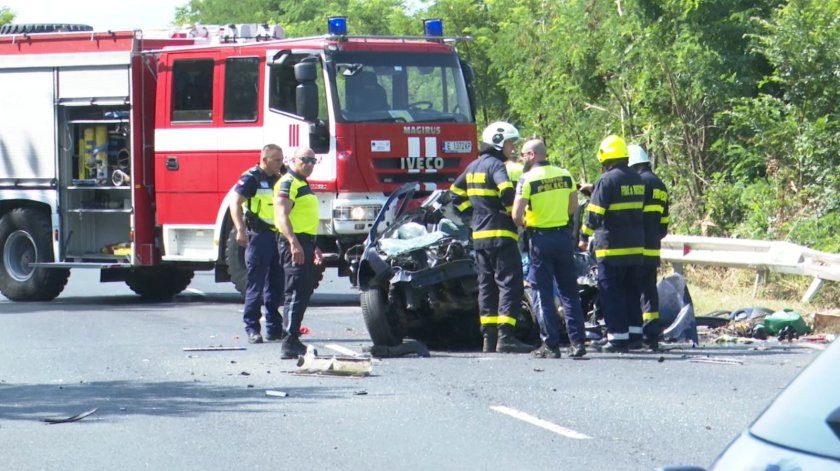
[(776, 322)]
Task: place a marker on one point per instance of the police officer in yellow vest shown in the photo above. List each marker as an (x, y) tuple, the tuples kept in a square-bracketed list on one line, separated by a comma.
[(614, 220), (296, 217), (252, 212), (485, 189), (545, 202)]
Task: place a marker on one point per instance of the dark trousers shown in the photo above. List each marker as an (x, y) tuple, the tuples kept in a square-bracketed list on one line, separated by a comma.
[(552, 260), (264, 285), (651, 327), (619, 294), (500, 287), (299, 281)]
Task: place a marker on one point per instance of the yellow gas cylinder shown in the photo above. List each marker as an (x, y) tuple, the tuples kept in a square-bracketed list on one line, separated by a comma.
[(101, 144), (86, 146)]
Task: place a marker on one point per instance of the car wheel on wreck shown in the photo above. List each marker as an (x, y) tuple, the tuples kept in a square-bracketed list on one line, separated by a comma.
[(380, 317)]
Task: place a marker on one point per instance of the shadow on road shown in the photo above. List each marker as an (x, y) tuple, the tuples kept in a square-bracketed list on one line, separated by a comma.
[(121, 398)]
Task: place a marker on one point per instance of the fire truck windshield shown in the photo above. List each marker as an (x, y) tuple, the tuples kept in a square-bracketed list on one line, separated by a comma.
[(399, 87)]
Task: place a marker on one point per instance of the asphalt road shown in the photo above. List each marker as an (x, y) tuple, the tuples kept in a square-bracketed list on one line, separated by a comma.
[(159, 407)]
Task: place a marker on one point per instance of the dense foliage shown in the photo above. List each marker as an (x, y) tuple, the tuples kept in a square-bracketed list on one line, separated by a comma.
[(736, 100)]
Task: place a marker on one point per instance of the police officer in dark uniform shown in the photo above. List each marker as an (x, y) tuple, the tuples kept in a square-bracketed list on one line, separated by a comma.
[(614, 219), (656, 228), (485, 188), (545, 202), (252, 211), (296, 217)]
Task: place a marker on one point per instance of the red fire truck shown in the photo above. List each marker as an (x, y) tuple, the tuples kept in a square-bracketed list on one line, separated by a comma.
[(119, 150)]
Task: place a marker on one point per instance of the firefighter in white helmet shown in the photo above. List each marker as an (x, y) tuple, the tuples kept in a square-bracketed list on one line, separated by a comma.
[(656, 227), (486, 190)]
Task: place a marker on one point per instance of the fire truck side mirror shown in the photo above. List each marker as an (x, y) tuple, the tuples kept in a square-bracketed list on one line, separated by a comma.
[(306, 93)]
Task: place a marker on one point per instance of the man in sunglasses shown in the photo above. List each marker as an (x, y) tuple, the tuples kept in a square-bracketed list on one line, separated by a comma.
[(296, 217)]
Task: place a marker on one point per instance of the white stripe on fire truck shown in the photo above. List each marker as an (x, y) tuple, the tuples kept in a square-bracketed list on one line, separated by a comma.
[(208, 139), (431, 147), (414, 147)]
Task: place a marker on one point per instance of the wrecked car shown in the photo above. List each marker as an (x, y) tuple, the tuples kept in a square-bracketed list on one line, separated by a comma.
[(417, 276)]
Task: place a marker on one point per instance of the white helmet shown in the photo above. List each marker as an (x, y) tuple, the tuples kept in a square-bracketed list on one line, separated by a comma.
[(637, 155), (497, 133)]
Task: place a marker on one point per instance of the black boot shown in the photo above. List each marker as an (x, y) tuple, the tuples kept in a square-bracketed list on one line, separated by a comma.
[(491, 336), (577, 350), (508, 343)]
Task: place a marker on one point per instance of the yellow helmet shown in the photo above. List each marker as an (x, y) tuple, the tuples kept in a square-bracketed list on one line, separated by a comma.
[(612, 148)]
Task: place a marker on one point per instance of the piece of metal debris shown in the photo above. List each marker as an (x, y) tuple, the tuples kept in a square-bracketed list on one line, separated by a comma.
[(333, 365), (72, 418), (719, 361), (273, 393), (212, 349)]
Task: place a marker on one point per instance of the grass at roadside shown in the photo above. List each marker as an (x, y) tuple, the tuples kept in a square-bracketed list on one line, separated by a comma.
[(717, 288)]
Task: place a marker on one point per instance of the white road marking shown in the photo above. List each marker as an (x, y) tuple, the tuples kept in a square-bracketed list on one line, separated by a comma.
[(196, 291), (516, 414), (343, 350)]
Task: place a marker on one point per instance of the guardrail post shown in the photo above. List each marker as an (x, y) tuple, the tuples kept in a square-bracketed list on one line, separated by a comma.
[(760, 276), (812, 290)]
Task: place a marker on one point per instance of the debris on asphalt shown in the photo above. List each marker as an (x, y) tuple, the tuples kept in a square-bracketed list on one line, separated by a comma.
[(274, 393), (360, 393), (72, 418), (408, 347), (718, 361), (212, 349), (660, 359), (245, 373), (312, 363)]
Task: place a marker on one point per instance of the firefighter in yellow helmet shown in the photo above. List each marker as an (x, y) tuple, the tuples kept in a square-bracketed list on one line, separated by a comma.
[(486, 190), (614, 221)]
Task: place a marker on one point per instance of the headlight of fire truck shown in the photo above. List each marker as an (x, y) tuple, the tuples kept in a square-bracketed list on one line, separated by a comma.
[(356, 213)]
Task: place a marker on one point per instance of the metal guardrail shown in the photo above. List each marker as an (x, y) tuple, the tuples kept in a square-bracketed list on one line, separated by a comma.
[(759, 255)]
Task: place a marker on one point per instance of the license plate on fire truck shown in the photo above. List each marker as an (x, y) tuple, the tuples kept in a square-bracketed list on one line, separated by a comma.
[(457, 146)]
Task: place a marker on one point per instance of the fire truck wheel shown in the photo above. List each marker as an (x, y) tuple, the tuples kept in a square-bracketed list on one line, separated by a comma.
[(379, 317), (26, 237), (235, 258), (158, 283)]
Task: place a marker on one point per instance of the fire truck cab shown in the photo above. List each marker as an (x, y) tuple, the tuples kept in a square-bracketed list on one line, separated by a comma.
[(119, 150)]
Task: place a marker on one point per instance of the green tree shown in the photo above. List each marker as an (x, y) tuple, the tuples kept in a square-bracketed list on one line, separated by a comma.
[(6, 15)]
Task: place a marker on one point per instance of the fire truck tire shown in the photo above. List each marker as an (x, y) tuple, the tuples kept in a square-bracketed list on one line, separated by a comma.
[(235, 258), (379, 317), (26, 237), (158, 283), (43, 28)]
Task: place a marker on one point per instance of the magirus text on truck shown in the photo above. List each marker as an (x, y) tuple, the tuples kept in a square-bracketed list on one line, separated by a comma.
[(119, 150)]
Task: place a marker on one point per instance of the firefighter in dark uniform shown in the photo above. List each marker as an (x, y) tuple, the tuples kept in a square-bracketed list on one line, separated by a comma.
[(544, 205), (252, 212), (614, 220), (656, 228), (485, 189), (296, 217)]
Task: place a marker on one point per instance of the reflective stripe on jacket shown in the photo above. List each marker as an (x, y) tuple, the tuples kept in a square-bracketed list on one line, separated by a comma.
[(656, 215), (614, 217), (258, 189), (304, 214), (485, 188)]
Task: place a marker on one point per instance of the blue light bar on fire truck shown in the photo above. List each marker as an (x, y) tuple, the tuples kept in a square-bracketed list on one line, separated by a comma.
[(433, 28), (337, 25)]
